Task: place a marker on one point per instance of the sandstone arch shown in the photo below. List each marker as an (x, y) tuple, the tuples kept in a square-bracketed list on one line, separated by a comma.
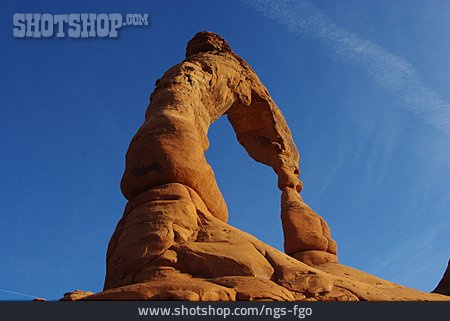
[(173, 242), (167, 179)]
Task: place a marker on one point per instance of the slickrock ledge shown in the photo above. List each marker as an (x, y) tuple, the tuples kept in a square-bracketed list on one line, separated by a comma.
[(173, 241)]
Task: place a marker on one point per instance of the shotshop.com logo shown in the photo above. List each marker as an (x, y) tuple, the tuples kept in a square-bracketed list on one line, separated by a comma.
[(74, 25)]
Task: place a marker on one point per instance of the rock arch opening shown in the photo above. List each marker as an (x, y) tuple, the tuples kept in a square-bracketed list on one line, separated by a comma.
[(171, 189)]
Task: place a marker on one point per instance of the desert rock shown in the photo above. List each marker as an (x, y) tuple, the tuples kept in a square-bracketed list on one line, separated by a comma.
[(173, 241), (39, 300), (169, 147), (75, 295)]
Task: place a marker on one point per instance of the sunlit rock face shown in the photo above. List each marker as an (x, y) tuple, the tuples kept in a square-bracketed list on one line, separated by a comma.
[(173, 241)]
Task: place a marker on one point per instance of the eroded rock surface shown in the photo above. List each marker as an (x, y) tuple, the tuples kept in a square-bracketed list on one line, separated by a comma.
[(75, 295), (173, 242), (192, 255), (170, 145)]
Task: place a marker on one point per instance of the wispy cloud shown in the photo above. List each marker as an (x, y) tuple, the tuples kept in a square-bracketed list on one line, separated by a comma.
[(18, 293), (391, 73)]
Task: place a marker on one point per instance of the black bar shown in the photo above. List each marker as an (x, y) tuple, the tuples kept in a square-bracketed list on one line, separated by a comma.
[(177, 310)]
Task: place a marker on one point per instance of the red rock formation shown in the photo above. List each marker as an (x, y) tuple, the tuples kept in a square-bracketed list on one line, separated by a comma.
[(169, 149), (75, 295), (39, 300), (173, 242)]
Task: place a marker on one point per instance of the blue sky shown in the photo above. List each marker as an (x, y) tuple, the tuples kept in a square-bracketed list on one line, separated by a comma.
[(364, 87)]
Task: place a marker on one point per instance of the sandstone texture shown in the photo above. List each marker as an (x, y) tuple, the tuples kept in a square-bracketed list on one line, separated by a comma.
[(189, 254), (75, 295), (173, 241), (169, 147)]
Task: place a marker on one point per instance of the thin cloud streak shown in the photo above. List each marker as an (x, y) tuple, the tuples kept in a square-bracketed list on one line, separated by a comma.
[(19, 293), (389, 72)]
